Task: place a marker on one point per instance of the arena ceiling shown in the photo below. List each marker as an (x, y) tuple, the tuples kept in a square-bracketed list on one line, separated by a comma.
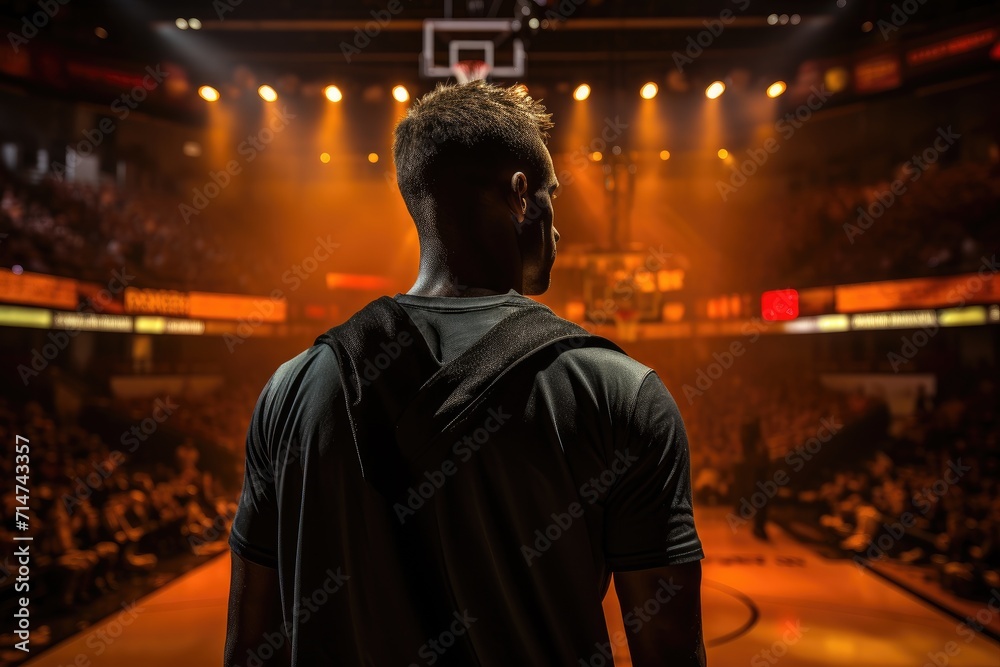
[(319, 38)]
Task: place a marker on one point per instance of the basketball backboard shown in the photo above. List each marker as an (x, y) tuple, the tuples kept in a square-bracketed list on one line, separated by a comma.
[(490, 41)]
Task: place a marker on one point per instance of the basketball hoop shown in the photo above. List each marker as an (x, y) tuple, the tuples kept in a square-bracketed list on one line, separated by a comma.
[(470, 70)]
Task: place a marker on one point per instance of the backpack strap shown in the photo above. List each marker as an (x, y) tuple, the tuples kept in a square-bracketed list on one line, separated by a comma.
[(461, 385), (397, 410)]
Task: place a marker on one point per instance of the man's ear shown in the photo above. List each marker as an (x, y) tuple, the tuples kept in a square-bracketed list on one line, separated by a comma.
[(516, 201)]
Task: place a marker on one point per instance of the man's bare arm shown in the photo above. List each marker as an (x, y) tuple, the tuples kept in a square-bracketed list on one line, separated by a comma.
[(254, 611), (674, 635)]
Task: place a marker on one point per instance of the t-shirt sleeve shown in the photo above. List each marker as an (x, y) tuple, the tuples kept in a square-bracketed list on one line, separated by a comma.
[(649, 520), (254, 534)]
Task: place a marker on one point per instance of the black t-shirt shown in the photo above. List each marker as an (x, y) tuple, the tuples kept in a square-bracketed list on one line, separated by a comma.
[(502, 550)]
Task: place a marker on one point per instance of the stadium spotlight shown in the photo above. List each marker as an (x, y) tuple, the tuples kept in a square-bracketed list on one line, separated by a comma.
[(267, 93), (715, 89), (776, 89), (324, 158), (648, 91), (333, 93), (209, 94), (723, 153), (400, 93), (194, 24), (181, 24), (582, 92)]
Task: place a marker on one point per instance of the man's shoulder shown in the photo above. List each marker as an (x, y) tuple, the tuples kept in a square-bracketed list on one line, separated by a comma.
[(313, 373), (601, 367)]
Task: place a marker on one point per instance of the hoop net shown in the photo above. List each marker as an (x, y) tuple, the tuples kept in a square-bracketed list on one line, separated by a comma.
[(470, 70)]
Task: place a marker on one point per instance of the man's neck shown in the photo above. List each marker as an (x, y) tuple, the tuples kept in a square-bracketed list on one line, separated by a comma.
[(450, 288)]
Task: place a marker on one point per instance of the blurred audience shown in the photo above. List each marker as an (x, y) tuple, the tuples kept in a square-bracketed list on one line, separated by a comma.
[(932, 498), (835, 233), (81, 231), (99, 513)]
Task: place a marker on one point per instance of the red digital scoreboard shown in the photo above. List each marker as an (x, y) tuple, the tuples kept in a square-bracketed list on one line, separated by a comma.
[(779, 305)]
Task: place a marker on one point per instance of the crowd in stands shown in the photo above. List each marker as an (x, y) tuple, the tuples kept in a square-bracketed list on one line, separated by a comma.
[(932, 497), (942, 223), (222, 417), (82, 231), (936, 476), (99, 513), (791, 410)]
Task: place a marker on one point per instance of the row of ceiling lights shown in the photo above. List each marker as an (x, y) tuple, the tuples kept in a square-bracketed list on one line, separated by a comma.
[(596, 156), (649, 90), (269, 94), (399, 93)]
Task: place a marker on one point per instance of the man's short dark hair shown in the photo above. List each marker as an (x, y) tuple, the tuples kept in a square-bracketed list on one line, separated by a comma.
[(466, 130)]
